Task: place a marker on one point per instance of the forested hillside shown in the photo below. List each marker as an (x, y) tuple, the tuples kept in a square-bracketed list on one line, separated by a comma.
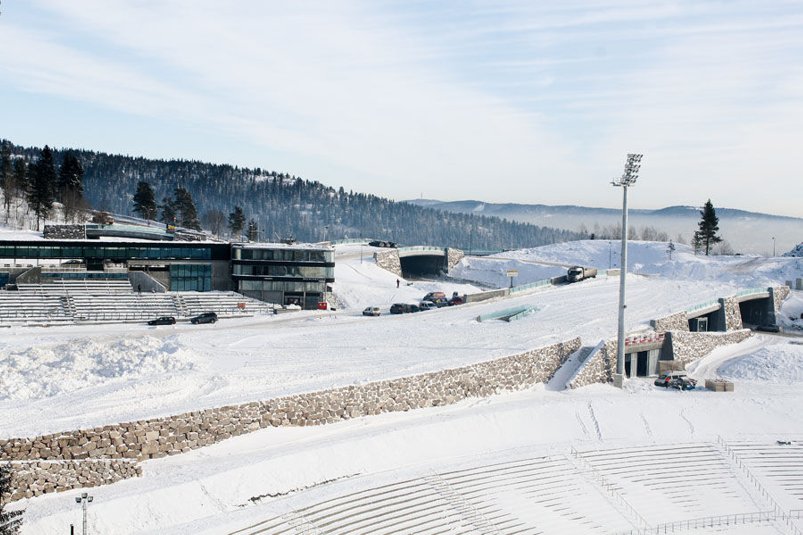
[(283, 205)]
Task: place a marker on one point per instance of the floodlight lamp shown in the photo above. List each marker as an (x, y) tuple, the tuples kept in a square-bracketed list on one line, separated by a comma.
[(77, 499), (90, 498)]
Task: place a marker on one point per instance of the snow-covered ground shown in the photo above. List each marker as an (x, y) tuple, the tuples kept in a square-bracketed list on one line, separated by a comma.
[(67, 377)]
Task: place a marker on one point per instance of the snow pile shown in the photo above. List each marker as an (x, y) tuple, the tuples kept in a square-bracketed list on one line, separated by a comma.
[(797, 251), (776, 364), (40, 372)]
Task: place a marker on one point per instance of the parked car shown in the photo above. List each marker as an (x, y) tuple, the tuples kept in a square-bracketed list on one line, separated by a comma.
[(456, 300), (683, 383), (667, 377), (403, 308), (371, 311), (206, 317), (164, 320), (426, 305), (434, 296)]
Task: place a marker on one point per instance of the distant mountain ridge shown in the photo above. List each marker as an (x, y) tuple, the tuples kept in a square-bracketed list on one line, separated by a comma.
[(746, 231)]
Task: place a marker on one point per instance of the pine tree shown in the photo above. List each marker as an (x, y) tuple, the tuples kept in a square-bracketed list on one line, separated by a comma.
[(708, 227), (186, 209), (236, 222), (70, 185), (41, 186), (253, 231), (168, 211), (10, 521), (6, 176), (145, 201)]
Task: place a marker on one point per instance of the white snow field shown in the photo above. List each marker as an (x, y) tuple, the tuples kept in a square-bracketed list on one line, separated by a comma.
[(542, 460)]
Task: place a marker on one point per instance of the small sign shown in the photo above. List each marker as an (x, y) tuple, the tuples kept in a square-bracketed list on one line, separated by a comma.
[(512, 273)]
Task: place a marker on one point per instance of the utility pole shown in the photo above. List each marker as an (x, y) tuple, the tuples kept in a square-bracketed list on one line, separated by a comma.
[(627, 179)]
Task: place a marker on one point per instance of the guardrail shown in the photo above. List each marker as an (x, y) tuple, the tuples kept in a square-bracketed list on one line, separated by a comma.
[(700, 306), (752, 291), (530, 286), (428, 248), (706, 522)]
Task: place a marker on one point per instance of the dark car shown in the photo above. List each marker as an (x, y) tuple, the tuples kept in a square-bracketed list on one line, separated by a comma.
[(206, 317), (403, 308), (164, 320), (666, 378), (456, 300), (683, 383)]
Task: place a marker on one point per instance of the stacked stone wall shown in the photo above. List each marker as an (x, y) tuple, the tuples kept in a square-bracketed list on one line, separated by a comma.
[(687, 347), (159, 437), (389, 260), (675, 322), (599, 367), (64, 232), (733, 316), (34, 478), (453, 256)]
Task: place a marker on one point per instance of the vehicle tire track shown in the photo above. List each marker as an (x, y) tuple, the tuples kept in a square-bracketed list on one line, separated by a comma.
[(594, 419), (582, 424), (686, 419), (647, 427)]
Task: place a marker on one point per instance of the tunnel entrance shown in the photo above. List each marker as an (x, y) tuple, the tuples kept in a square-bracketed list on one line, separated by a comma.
[(756, 312), (421, 265)]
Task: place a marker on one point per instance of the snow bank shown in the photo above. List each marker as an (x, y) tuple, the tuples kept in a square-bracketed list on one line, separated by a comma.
[(40, 372), (775, 364)]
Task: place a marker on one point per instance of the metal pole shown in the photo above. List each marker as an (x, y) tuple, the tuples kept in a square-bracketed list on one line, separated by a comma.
[(620, 340), (84, 506), (773, 246)]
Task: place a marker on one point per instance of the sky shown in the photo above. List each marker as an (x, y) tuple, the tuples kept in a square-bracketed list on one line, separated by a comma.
[(525, 101)]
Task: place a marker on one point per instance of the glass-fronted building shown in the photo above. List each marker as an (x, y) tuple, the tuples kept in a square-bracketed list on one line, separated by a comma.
[(284, 274)]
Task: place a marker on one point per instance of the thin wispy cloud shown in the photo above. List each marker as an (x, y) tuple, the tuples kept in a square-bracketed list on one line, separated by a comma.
[(501, 101)]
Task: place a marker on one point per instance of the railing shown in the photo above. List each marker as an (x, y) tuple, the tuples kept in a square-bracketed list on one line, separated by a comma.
[(427, 248), (706, 522), (588, 470), (752, 291), (700, 306), (531, 286)]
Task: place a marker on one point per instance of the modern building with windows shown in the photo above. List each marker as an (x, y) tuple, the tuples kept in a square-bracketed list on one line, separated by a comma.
[(277, 273), (287, 274)]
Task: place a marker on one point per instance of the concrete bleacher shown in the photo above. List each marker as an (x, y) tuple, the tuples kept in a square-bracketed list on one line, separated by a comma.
[(541, 495), (776, 467), (100, 300), (674, 482)]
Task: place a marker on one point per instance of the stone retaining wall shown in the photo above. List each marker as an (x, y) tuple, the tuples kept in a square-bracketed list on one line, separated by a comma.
[(453, 257), (599, 366), (64, 232), (675, 322), (733, 315), (690, 346), (389, 260), (159, 437), (34, 478)]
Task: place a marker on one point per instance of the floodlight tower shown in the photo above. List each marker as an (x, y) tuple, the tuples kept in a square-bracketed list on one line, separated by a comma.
[(83, 499), (627, 179)]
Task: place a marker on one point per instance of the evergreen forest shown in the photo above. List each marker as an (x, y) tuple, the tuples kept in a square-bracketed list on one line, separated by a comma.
[(280, 205)]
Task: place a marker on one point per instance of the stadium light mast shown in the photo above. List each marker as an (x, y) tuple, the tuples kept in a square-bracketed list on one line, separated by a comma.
[(83, 499), (628, 178)]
